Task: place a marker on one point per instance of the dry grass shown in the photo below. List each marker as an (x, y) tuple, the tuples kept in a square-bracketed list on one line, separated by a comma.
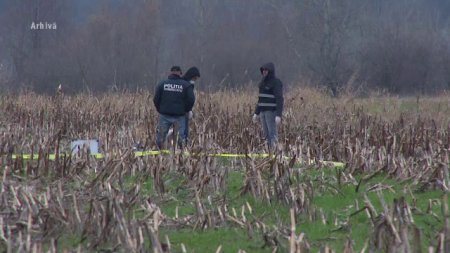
[(405, 138)]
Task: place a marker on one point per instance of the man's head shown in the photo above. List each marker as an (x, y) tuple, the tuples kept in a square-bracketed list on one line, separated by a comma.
[(267, 69), (192, 75), (176, 70)]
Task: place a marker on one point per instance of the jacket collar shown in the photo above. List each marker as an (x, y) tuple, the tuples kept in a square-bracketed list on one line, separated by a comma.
[(173, 76)]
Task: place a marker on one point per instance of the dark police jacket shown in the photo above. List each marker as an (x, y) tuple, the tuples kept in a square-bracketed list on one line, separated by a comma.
[(174, 96), (270, 97)]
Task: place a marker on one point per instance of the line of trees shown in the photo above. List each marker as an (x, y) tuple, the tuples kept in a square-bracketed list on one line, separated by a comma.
[(399, 46)]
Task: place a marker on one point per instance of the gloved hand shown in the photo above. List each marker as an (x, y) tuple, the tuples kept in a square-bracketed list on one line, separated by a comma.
[(277, 120), (190, 114), (170, 132), (255, 118)]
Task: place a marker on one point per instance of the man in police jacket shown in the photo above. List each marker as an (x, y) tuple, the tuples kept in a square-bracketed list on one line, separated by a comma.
[(270, 103), (173, 98)]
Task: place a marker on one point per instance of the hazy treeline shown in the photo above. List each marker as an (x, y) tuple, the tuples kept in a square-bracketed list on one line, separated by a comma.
[(400, 46)]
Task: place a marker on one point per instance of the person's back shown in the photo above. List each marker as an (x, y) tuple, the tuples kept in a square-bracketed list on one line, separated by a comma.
[(172, 96)]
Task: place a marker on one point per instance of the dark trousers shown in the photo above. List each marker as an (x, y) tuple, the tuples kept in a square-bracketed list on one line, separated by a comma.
[(269, 127), (167, 121)]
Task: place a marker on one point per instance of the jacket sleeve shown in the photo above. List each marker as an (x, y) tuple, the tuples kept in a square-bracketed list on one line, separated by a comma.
[(190, 98), (157, 97), (257, 110), (278, 93)]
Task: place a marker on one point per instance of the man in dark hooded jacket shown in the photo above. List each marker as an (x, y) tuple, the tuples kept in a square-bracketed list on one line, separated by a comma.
[(191, 75), (173, 98), (270, 103)]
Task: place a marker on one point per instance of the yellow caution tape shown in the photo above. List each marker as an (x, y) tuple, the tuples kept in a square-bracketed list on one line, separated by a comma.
[(165, 152)]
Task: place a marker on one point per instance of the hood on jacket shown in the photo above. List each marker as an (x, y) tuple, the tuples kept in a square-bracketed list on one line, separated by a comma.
[(270, 67), (271, 75), (191, 73)]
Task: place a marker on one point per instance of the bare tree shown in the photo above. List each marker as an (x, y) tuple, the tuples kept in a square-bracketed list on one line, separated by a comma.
[(118, 46), (30, 48), (400, 46), (401, 51)]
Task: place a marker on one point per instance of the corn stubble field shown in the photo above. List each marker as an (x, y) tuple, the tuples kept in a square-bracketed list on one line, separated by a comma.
[(389, 197)]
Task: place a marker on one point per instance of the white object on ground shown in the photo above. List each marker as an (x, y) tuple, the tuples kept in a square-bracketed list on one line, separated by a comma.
[(78, 145)]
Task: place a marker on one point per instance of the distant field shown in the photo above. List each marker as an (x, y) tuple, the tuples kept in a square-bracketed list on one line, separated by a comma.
[(390, 196)]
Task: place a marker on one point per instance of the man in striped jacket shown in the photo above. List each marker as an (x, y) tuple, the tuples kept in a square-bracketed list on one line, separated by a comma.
[(270, 103)]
